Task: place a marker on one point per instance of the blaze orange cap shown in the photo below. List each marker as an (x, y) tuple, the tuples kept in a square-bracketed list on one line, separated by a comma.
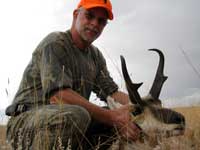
[(87, 4)]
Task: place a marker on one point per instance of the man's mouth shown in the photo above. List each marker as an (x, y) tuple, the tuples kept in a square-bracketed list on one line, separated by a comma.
[(92, 31)]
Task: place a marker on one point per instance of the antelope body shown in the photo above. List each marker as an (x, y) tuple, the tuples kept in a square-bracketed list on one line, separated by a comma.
[(148, 113)]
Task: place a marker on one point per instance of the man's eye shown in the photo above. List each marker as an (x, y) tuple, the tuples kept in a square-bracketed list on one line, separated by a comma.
[(102, 21), (89, 16)]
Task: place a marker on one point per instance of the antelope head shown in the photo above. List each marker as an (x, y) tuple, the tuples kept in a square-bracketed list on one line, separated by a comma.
[(148, 113)]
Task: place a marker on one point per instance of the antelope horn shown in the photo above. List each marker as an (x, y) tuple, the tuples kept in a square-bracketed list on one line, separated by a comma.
[(159, 78), (131, 87)]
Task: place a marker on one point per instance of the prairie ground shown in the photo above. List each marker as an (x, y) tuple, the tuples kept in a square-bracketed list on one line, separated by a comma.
[(189, 141), (3, 144)]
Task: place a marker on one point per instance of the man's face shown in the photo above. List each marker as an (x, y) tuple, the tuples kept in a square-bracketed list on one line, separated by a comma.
[(90, 23)]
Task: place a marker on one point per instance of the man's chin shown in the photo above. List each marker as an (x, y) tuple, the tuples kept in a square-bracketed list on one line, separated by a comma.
[(89, 40)]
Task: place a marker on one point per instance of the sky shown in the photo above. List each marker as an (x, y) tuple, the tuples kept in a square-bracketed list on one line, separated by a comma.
[(172, 26)]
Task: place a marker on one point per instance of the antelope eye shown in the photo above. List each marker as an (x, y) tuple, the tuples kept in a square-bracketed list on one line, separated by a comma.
[(137, 111), (138, 117)]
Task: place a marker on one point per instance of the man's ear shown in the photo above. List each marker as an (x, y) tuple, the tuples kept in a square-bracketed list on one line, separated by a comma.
[(75, 13)]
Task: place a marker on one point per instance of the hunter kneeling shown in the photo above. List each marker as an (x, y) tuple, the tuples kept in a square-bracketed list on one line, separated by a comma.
[(51, 108)]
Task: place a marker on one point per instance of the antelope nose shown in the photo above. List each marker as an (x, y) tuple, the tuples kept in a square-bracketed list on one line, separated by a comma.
[(179, 119)]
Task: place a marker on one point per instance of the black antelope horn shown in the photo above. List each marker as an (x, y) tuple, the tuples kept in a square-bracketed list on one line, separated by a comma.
[(131, 87), (159, 78)]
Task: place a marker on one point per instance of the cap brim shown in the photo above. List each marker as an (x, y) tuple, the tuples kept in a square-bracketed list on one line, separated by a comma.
[(110, 14)]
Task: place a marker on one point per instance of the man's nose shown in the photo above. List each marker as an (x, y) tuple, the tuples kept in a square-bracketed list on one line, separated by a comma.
[(95, 22)]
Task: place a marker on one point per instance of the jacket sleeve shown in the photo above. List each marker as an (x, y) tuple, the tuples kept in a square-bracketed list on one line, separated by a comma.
[(104, 82)]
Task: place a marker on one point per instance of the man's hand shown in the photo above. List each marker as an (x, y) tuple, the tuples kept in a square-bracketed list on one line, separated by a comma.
[(122, 121), (119, 118)]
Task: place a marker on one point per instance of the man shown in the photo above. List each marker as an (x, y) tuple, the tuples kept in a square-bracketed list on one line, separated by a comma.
[(51, 108)]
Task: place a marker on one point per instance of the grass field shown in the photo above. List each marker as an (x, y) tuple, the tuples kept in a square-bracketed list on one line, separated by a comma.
[(3, 145), (189, 141)]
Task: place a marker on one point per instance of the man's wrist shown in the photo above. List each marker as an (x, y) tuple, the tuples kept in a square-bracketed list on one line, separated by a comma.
[(111, 118)]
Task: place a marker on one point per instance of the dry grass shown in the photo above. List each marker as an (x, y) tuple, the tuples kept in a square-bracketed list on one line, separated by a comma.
[(189, 141), (3, 144)]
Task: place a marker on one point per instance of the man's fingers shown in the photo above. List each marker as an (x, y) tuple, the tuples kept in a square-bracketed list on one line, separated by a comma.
[(130, 132), (135, 131), (129, 107), (130, 136)]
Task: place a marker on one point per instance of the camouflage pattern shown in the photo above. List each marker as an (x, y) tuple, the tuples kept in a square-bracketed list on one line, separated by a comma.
[(57, 64), (54, 127), (48, 127)]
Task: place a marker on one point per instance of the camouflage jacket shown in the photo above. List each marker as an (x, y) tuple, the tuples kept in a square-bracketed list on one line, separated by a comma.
[(58, 64)]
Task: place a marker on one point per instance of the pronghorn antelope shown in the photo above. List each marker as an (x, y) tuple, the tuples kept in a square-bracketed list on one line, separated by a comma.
[(148, 113)]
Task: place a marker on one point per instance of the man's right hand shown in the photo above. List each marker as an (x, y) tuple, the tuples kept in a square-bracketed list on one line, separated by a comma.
[(122, 121)]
